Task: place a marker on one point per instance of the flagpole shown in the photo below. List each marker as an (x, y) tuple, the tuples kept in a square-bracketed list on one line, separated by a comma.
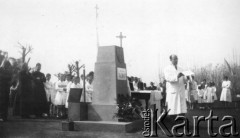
[(97, 25)]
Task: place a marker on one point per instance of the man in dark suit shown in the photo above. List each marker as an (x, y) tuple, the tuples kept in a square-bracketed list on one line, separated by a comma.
[(152, 87), (41, 105), (130, 80), (140, 84)]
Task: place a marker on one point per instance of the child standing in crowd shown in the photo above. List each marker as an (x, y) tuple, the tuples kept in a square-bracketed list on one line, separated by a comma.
[(226, 92), (187, 92), (50, 92), (200, 97), (193, 94), (69, 83), (60, 98), (208, 95), (214, 91), (201, 91)]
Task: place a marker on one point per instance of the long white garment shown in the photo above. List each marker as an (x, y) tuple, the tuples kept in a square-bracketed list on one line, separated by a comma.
[(194, 92), (60, 98), (175, 89), (188, 91), (226, 93), (50, 91), (88, 92), (201, 96), (71, 85), (214, 93), (209, 95)]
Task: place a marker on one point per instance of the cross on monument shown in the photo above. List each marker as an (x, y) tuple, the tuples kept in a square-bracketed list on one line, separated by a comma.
[(121, 37)]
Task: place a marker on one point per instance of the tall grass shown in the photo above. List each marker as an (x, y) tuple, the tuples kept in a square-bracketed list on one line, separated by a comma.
[(216, 73)]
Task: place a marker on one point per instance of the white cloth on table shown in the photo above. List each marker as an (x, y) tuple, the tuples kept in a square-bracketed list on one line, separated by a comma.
[(226, 92), (155, 98), (175, 89), (61, 95)]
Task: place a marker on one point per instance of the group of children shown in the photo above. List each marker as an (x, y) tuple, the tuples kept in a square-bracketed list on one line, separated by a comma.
[(207, 95), (202, 95), (58, 92)]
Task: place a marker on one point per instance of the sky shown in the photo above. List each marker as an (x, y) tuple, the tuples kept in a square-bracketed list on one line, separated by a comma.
[(200, 32)]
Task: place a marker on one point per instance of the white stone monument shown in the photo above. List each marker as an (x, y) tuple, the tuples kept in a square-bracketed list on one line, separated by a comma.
[(110, 79)]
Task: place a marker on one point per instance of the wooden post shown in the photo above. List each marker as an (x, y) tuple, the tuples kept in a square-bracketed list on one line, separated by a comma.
[(84, 93)]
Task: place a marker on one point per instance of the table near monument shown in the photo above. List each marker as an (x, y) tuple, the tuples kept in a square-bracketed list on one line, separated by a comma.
[(150, 97)]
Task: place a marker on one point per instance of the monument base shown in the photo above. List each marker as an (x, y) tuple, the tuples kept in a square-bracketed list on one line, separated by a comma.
[(108, 126), (67, 126), (77, 111), (102, 112)]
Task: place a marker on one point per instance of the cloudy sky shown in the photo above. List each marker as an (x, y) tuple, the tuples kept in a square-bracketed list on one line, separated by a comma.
[(62, 31)]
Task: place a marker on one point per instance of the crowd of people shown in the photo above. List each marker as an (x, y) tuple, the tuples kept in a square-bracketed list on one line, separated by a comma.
[(204, 95), (31, 94), (58, 92), (183, 92), (136, 84)]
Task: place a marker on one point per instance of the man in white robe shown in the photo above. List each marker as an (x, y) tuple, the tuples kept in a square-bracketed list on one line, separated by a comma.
[(175, 88)]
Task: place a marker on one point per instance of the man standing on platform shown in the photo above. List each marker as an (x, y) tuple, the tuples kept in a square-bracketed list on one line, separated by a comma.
[(175, 88)]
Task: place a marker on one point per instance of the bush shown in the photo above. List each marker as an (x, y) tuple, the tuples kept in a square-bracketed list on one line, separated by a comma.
[(128, 109)]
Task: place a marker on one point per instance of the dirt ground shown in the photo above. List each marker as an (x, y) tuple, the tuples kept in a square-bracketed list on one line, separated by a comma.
[(44, 128)]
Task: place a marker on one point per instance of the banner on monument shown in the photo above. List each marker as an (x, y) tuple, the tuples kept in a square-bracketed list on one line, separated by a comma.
[(122, 74)]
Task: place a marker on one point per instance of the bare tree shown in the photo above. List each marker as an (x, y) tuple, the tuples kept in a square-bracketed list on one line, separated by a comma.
[(74, 68), (71, 69), (25, 50), (77, 68)]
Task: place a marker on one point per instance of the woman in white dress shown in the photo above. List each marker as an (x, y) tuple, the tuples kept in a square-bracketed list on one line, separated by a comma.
[(193, 93), (50, 93), (89, 87), (60, 99), (214, 92), (210, 94), (226, 91), (201, 94), (200, 97)]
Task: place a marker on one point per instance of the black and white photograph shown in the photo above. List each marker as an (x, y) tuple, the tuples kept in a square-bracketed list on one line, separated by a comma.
[(119, 68)]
